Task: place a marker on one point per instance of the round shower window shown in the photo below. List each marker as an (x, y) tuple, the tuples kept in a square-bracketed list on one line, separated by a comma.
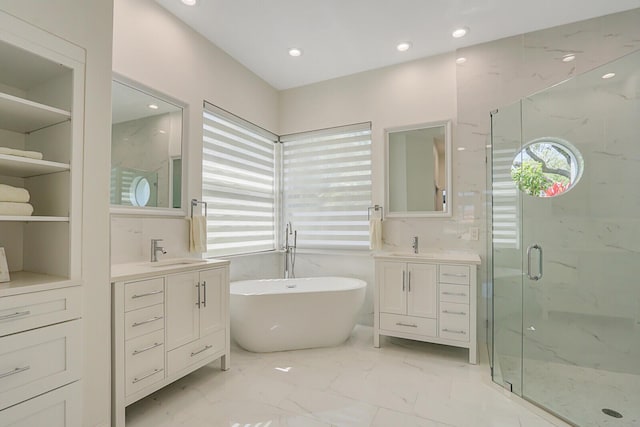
[(547, 167), (140, 191)]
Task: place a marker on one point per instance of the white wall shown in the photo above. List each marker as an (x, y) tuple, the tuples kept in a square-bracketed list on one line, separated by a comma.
[(89, 24), (153, 47)]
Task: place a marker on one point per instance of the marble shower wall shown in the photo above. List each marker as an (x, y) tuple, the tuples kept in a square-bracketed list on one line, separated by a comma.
[(500, 73)]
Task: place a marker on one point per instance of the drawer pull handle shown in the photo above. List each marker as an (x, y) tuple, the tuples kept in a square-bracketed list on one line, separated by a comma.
[(454, 331), (15, 315), (460, 313), (155, 371), (454, 274), (206, 347), (142, 350), (144, 322), (457, 294), (147, 294), (14, 371), (411, 325)]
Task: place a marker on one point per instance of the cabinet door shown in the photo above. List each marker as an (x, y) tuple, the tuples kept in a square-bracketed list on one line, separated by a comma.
[(422, 290), (391, 287), (182, 309), (212, 307)]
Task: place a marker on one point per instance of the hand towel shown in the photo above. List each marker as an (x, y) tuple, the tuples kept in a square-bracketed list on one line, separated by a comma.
[(15, 209), (13, 194), (375, 234), (21, 153), (198, 233)]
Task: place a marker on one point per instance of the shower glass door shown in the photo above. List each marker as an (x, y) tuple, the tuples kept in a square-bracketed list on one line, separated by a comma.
[(577, 178)]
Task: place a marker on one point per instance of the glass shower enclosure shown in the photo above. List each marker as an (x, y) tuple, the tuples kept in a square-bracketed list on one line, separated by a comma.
[(565, 246)]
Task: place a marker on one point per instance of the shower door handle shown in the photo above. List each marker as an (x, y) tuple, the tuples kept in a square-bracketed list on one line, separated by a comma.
[(530, 249)]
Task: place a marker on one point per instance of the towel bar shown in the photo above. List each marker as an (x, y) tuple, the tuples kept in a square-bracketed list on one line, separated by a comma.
[(196, 202), (375, 208)]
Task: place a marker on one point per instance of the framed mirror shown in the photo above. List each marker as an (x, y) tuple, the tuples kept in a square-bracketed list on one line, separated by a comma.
[(147, 135), (418, 170)]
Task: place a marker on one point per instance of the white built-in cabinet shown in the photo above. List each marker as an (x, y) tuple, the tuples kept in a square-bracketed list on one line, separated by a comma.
[(166, 323), (41, 109), (427, 298)]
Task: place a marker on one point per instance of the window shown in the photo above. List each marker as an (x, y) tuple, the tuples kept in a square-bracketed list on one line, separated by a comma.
[(238, 183), (327, 186)]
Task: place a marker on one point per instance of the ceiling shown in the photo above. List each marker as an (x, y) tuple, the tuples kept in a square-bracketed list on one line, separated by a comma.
[(342, 37)]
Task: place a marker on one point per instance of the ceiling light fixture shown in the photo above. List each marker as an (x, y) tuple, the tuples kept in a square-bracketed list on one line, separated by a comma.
[(460, 32), (609, 75), (404, 46), (461, 60), (153, 106), (294, 51), (568, 57), (189, 2)]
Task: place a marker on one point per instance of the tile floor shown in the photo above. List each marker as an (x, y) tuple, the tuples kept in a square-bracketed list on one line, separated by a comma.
[(402, 384)]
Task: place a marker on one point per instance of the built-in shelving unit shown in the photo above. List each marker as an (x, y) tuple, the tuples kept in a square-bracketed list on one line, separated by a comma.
[(41, 109)]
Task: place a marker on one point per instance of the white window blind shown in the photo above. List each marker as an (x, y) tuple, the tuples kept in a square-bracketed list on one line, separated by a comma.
[(238, 183), (327, 186), (505, 200)]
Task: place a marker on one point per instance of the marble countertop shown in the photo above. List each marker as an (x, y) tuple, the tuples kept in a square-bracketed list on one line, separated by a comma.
[(143, 270), (433, 256)]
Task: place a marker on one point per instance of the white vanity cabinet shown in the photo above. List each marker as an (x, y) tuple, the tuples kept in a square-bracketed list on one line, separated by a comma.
[(41, 110), (167, 322), (427, 298)]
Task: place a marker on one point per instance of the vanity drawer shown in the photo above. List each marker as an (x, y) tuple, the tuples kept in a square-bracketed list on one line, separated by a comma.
[(144, 361), (29, 311), (144, 293), (58, 408), (456, 274), (408, 324), (143, 321), (454, 293), (454, 321), (34, 362), (195, 351)]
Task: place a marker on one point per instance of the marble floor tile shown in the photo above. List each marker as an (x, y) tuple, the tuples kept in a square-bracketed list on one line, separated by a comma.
[(402, 384)]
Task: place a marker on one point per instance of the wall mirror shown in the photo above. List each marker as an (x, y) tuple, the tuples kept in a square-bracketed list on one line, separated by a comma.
[(418, 170), (146, 150)]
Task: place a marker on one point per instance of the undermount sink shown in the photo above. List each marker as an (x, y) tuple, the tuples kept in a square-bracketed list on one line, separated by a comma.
[(176, 261), (412, 255)]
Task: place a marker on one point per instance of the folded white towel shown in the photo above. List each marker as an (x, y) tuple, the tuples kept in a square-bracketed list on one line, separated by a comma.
[(13, 194), (198, 234), (375, 234), (15, 209), (21, 153)]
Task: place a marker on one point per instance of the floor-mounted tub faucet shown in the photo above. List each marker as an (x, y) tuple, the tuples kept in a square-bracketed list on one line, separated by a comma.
[(414, 244), (289, 250), (155, 249)]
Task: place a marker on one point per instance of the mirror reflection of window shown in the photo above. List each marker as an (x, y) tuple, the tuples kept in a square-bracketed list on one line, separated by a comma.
[(146, 142)]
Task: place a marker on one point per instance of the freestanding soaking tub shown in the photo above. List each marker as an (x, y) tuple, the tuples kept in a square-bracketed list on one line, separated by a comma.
[(289, 314)]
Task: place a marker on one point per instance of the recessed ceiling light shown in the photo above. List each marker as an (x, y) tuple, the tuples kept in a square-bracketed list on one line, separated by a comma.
[(404, 46), (609, 75), (568, 57), (294, 51), (153, 106), (189, 2), (461, 148), (460, 32), (461, 60)]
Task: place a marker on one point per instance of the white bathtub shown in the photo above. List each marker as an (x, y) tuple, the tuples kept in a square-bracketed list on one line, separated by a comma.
[(289, 314)]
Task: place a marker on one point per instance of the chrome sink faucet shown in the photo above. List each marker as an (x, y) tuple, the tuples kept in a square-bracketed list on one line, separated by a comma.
[(155, 249), (414, 244)]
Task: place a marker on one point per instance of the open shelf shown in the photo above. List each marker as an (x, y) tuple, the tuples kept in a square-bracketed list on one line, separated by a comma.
[(24, 167), (34, 218), (27, 281), (24, 116)]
